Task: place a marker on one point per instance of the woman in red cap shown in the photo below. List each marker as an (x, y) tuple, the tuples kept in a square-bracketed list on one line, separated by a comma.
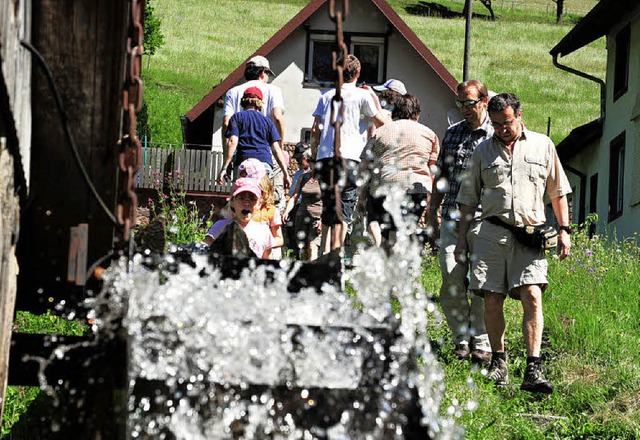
[(251, 135)]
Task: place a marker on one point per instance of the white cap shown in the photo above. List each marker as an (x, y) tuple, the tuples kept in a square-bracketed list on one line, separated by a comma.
[(261, 61), (392, 84)]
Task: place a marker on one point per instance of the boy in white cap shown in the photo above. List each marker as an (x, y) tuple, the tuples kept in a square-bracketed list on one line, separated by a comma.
[(390, 91), (257, 72)]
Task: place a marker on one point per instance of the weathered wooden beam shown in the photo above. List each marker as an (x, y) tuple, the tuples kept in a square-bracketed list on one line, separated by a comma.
[(83, 43), (15, 133)]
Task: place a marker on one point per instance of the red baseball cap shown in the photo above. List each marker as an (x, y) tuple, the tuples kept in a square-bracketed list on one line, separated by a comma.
[(253, 92)]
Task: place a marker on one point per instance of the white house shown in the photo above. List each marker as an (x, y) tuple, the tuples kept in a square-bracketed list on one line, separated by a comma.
[(300, 53), (603, 157)]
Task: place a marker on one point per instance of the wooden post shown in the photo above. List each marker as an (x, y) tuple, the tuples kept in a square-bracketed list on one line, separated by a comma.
[(83, 43), (9, 217), (15, 132)]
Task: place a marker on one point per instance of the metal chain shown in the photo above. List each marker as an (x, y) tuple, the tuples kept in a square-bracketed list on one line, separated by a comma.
[(337, 104), (130, 148)]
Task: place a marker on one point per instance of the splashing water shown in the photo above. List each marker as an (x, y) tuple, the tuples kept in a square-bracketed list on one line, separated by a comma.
[(215, 357)]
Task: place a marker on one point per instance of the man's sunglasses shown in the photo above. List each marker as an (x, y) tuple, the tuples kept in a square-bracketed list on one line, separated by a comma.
[(468, 103)]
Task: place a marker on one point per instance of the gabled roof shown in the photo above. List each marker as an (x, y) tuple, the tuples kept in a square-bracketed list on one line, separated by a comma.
[(294, 24), (597, 23)]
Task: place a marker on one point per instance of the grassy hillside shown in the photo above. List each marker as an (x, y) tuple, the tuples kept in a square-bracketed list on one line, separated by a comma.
[(206, 40)]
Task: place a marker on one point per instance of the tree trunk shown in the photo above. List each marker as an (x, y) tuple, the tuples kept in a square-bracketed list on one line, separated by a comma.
[(559, 11), (487, 4)]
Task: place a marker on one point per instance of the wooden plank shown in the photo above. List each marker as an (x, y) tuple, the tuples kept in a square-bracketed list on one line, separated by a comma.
[(72, 260), (164, 156), (88, 72), (81, 261), (195, 169), (9, 219), (206, 183), (202, 169), (191, 170)]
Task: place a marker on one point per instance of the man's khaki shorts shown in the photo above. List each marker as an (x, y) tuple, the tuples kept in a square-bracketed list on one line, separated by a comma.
[(500, 263)]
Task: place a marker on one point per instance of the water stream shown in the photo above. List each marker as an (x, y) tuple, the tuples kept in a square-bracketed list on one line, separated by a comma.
[(215, 357)]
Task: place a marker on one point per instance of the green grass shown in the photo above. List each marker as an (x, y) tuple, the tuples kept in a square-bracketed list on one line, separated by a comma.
[(18, 398), (592, 321), (204, 44)]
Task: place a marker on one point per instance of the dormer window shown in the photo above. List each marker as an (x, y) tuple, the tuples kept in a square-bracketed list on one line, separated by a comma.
[(369, 49)]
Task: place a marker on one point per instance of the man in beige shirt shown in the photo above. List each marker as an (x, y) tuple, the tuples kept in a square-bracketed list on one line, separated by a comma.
[(509, 176)]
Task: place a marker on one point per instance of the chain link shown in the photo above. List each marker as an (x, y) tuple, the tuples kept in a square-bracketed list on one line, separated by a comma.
[(130, 148), (339, 62)]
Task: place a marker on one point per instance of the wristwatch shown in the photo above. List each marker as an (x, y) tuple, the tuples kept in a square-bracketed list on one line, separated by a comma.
[(567, 229)]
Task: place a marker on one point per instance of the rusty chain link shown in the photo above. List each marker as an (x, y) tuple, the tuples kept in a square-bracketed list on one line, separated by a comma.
[(130, 148), (339, 62)]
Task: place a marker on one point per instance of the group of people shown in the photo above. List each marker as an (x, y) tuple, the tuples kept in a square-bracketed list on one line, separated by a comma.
[(483, 184)]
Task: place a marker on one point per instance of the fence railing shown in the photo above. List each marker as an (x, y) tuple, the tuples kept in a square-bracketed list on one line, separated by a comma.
[(186, 170)]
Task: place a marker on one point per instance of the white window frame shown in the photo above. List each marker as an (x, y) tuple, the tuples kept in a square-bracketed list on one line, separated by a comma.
[(354, 40), (313, 38), (371, 41)]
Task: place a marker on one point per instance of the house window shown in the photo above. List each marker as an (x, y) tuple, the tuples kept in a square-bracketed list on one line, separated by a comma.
[(305, 135), (370, 50), (621, 66), (635, 172), (616, 177), (593, 194)]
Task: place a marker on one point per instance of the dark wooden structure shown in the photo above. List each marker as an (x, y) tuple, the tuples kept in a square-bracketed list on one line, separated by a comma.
[(15, 127), (83, 44), (88, 71)]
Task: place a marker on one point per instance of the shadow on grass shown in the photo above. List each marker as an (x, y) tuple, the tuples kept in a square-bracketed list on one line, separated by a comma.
[(433, 9)]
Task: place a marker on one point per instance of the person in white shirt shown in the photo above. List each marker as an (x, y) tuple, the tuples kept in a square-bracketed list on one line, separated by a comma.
[(357, 103)]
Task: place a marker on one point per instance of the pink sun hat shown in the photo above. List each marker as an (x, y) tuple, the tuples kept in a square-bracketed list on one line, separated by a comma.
[(246, 184), (252, 168)]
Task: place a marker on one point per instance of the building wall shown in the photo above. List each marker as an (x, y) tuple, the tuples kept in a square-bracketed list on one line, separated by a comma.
[(403, 63), (622, 115), (587, 163)]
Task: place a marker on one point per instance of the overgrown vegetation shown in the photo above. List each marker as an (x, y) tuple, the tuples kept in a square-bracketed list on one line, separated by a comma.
[(182, 220), (592, 319)]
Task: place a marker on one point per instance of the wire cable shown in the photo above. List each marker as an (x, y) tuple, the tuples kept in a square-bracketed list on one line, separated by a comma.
[(67, 130)]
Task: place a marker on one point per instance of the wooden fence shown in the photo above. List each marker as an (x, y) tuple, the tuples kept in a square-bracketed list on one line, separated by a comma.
[(192, 171)]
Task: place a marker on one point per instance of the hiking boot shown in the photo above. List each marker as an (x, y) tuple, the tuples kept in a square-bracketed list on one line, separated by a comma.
[(498, 372), (481, 357), (534, 380), (462, 352)]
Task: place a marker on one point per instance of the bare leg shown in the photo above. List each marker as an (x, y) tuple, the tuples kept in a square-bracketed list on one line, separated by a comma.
[(532, 320), (376, 233), (325, 239), (494, 319), (338, 233)]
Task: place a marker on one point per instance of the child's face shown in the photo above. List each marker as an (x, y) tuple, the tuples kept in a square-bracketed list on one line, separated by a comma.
[(244, 205)]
